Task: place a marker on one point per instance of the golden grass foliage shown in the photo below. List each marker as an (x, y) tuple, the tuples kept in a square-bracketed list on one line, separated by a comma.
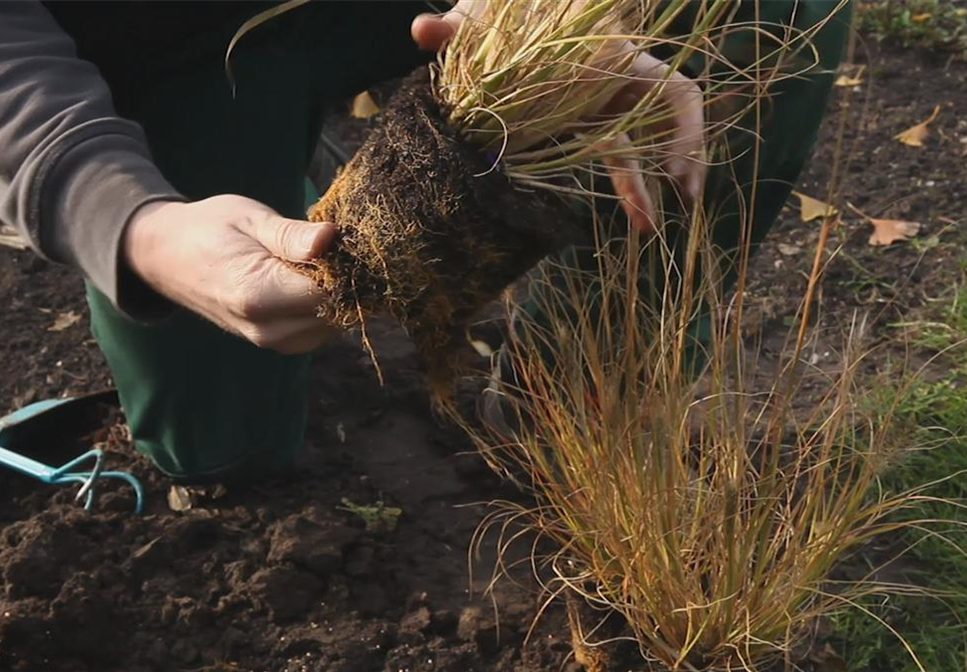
[(532, 80), (707, 508)]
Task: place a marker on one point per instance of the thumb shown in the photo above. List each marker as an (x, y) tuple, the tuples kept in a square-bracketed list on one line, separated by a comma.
[(294, 239), (432, 31)]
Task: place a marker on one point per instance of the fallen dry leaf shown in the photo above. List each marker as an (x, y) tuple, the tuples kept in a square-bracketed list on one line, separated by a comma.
[(812, 208), (851, 80), (364, 106), (179, 499), (915, 135), (887, 231), (144, 550), (789, 250), (64, 321)]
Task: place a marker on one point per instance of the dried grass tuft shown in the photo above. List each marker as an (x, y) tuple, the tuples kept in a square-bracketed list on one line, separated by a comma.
[(706, 509), (530, 81)]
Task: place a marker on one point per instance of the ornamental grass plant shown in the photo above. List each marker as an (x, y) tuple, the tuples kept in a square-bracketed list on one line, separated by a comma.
[(480, 165), (706, 503)]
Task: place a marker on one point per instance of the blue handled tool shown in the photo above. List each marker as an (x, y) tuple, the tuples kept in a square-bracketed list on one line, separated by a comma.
[(43, 422)]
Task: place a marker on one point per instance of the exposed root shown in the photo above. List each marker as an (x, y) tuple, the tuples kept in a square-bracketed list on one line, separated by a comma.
[(426, 232)]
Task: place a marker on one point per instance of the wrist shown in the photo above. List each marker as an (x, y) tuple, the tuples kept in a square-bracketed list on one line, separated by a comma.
[(141, 244)]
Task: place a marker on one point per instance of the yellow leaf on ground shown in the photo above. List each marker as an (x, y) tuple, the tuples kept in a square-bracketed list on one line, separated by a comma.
[(812, 208), (64, 321), (887, 231), (846, 80), (851, 80), (915, 135), (921, 18), (364, 106), (179, 498)]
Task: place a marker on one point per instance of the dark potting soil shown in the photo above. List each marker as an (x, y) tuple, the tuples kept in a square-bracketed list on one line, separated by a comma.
[(428, 229), (282, 576)]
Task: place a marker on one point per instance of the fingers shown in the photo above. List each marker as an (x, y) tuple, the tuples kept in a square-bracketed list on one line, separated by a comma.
[(306, 341), (292, 239), (268, 287), (432, 31), (227, 258), (629, 185), (290, 337), (278, 309), (286, 292), (685, 148), (687, 163)]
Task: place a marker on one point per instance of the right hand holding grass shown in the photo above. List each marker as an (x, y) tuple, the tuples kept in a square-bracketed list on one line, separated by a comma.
[(223, 258), (683, 160)]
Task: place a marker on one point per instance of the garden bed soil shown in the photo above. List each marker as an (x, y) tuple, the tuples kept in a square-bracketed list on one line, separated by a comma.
[(285, 576)]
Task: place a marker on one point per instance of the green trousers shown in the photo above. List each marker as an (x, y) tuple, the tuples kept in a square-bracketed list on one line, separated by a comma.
[(205, 405)]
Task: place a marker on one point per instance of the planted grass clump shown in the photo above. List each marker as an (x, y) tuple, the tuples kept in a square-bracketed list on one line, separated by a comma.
[(705, 507), (472, 171)]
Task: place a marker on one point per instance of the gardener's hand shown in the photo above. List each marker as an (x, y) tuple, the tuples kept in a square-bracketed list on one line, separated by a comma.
[(684, 164), (222, 258)]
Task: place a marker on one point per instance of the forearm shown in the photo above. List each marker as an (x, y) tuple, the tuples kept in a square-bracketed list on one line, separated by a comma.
[(72, 172)]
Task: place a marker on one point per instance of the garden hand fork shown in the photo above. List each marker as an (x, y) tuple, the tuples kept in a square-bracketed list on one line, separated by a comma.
[(36, 424)]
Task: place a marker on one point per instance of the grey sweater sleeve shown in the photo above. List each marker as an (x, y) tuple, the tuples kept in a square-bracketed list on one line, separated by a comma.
[(71, 171)]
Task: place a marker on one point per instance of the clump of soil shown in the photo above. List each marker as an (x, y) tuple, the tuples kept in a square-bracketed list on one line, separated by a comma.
[(429, 229)]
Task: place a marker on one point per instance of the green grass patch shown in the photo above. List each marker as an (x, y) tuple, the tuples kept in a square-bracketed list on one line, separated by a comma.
[(939, 25), (936, 406)]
